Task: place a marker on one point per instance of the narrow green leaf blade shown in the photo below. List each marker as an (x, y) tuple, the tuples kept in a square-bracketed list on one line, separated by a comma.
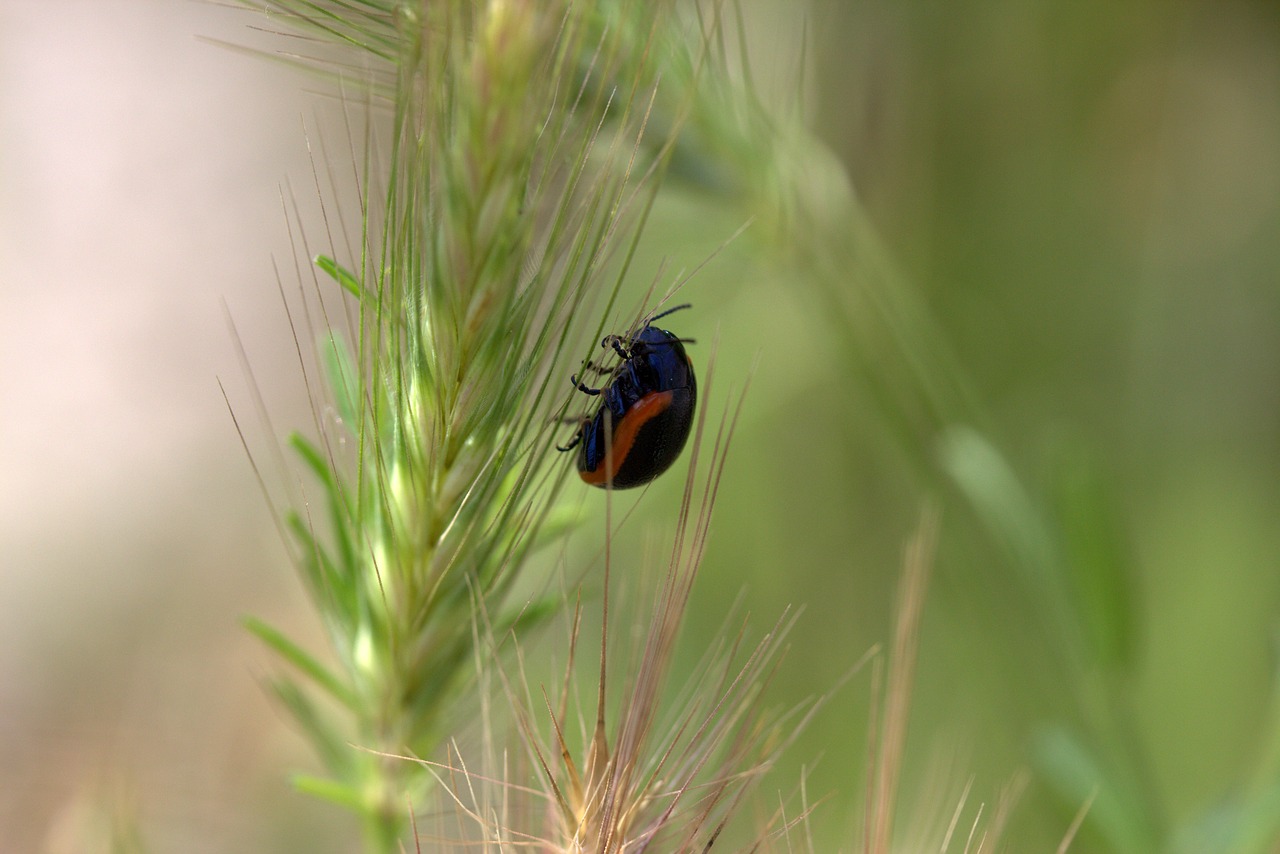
[(303, 661), (1117, 813), (333, 791), (316, 461), (332, 748), (1248, 825), (344, 380), (344, 277), (1099, 566)]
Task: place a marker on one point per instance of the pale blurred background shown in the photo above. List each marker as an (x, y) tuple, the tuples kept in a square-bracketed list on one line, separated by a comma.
[(1085, 193), (140, 178)]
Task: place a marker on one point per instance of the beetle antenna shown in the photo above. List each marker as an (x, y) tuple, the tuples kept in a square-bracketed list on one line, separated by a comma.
[(671, 310)]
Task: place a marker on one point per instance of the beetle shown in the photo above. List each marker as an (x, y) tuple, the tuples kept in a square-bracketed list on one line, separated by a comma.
[(646, 409)]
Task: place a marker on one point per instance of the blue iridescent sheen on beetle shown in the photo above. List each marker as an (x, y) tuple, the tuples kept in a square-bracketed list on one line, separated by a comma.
[(646, 410)]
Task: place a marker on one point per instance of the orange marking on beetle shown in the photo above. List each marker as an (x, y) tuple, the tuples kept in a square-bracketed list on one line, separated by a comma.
[(624, 435)]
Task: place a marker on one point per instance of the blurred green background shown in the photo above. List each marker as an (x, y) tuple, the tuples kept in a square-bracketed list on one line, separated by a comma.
[(1082, 199)]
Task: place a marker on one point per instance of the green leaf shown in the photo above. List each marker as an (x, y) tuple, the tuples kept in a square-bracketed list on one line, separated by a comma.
[(1098, 561), (332, 749), (340, 514), (344, 277), (344, 380), (998, 498), (333, 791), (992, 487), (330, 585), (1117, 813), (303, 661), (1249, 825), (315, 460)]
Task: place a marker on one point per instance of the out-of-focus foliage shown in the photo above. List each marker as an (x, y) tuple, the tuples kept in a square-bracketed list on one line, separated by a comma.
[(1080, 203)]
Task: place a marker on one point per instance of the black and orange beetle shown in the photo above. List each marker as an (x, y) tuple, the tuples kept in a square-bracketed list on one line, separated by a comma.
[(646, 409)]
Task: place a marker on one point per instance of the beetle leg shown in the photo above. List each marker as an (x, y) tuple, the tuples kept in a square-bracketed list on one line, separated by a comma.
[(575, 441), (616, 342), (582, 387)]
